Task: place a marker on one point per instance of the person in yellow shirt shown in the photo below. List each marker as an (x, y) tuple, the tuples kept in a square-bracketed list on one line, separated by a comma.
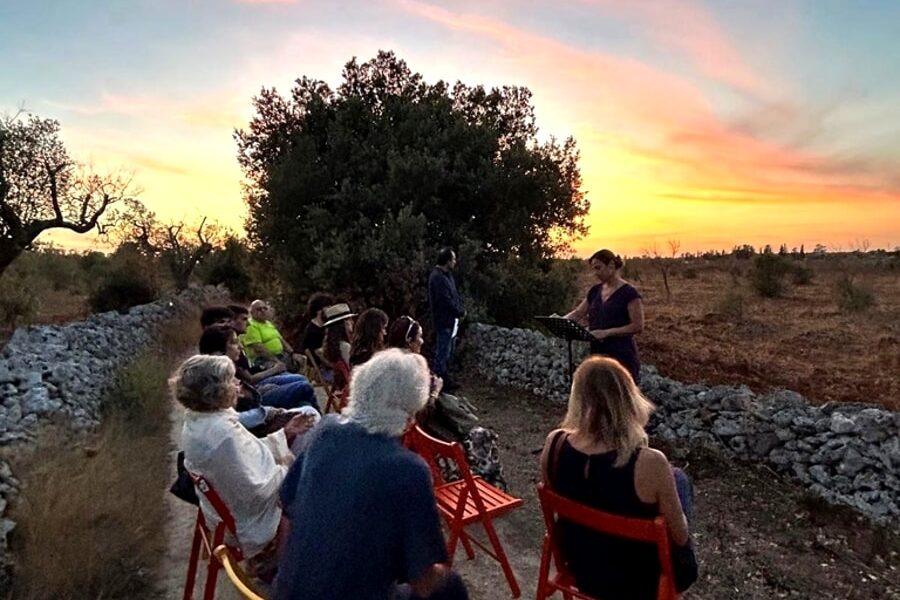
[(263, 342)]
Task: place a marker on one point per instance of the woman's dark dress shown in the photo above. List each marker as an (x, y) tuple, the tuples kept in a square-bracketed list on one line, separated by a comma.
[(614, 313), (603, 566)]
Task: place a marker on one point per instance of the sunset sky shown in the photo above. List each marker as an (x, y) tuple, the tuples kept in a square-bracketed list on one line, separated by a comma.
[(713, 123)]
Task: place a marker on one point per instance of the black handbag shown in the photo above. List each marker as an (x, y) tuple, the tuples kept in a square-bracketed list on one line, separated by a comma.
[(183, 486)]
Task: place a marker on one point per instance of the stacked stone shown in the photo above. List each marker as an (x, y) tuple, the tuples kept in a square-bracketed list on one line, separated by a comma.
[(62, 371), (846, 453)]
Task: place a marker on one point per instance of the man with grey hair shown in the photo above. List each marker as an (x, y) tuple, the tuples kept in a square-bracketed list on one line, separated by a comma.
[(263, 343), (364, 521)]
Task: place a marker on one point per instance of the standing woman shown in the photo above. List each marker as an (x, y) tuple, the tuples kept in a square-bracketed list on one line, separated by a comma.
[(613, 312)]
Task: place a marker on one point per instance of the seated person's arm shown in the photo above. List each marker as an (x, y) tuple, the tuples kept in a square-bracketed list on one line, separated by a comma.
[(254, 378), (667, 497), (320, 352), (261, 350)]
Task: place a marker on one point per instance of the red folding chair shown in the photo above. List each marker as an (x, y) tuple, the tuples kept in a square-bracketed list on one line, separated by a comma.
[(208, 543), (338, 394), (555, 507), (467, 501)]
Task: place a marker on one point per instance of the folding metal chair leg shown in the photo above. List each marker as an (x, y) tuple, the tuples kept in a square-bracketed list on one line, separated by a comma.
[(212, 569), (467, 544), (501, 558), (193, 560), (544, 571)]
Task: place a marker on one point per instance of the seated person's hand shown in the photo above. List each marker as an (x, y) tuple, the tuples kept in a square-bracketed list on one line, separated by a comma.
[(435, 390), (298, 425), (600, 334), (278, 367)]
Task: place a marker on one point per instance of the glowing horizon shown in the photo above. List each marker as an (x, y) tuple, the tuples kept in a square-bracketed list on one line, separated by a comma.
[(712, 123)]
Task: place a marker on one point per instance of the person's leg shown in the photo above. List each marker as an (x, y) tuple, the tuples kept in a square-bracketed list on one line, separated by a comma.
[(441, 359), (685, 490), (283, 379), (453, 589), (291, 395)]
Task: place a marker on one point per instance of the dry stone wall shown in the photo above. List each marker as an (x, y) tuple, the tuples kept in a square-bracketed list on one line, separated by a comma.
[(847, 453), (61, 372)]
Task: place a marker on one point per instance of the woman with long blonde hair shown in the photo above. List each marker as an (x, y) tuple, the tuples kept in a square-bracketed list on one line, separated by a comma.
[(599, 457)]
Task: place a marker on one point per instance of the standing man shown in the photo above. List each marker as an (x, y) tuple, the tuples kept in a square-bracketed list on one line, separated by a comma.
[(446, 311)]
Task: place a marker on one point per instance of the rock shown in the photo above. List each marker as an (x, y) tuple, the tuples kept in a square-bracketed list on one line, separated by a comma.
[(841, 424), (852, 462), (820, 474), (761, 445), (874, 424), (726, 427)]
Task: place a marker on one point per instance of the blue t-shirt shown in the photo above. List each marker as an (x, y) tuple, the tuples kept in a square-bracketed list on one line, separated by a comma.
[(363, 517)]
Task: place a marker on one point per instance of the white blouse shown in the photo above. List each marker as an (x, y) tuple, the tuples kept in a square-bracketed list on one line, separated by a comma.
[(246, 472)]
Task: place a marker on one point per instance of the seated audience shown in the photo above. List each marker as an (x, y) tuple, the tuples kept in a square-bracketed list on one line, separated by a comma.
[(314, 334), (262, 341), (369, 333), (222, 340), (450, 417), (600, 458), (245, 471), (336, 348), (274, 374), (363, 518)]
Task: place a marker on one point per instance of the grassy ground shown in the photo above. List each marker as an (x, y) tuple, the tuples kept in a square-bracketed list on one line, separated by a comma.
[(91, 519)]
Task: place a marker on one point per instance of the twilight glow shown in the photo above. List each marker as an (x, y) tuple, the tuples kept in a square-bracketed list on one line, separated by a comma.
[(713, 123)]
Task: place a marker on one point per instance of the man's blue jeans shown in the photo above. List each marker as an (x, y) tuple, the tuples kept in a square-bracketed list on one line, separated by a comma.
[(291, 395), (443, 349)]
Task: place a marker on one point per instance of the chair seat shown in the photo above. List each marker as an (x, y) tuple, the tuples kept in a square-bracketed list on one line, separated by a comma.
[(496, 502)]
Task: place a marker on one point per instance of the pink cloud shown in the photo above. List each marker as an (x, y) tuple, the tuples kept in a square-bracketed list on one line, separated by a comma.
[(692, 30), (670, 117)]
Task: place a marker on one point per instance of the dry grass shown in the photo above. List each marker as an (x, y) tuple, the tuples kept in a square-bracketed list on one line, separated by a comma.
[(91, 520)]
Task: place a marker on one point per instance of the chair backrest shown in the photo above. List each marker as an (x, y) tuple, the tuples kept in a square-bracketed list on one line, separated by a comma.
[(218, 505), (430, 448), (341, 375), (235, 573), (653, 531), (312, 363)]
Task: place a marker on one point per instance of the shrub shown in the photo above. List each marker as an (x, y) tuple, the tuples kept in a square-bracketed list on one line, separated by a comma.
[(767, 274), (229, 267), (851, 297), (128, 279), (18, 301), (801, 275), (732, 305), (121, 289), (689, 273), (631, 272)]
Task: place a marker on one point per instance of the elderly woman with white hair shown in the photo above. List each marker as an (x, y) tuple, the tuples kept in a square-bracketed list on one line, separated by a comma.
[(245, 471), (364, 521)]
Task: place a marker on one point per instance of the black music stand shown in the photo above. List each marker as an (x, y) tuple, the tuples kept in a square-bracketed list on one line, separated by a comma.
[(568, 330)]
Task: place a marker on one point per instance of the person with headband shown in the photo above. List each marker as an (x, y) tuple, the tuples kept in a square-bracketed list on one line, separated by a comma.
[(613, 312)]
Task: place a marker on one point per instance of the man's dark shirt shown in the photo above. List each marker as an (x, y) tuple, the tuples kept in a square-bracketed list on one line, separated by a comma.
[(363, 517), (443, 298)]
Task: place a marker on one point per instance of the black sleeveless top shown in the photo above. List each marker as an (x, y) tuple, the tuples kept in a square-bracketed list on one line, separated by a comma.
[(607, 567), (614, 313)]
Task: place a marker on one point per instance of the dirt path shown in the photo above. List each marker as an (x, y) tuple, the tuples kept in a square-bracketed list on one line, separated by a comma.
[(182, 515), (757, 537)]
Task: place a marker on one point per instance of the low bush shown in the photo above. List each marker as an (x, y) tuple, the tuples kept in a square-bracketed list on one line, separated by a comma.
[(767, 274), (689, 273), (851, 297), (229, 267), (801, 274), (732, 304), (18, 301), (128, 280)]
